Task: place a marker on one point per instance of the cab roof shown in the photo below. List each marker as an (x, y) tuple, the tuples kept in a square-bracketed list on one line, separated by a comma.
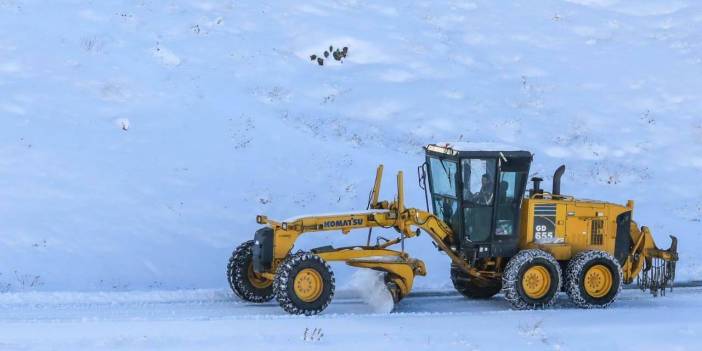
[(473, 149)]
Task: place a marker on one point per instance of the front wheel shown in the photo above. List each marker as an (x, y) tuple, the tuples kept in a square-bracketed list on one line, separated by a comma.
[(532, 280), (304, 284), (243, 280)]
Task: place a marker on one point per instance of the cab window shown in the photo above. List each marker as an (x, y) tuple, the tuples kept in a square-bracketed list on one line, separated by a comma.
[(508, 202), (443, 189), (478, 197)]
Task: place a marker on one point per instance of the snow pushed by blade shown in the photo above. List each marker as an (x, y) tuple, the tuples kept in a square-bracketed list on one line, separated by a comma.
[(370, 286)]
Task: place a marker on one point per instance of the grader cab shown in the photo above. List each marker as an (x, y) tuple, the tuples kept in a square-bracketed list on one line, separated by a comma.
[(530, 246), (478, 194)]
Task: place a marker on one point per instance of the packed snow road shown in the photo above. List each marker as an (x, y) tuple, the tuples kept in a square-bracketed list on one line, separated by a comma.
[(212, 319)]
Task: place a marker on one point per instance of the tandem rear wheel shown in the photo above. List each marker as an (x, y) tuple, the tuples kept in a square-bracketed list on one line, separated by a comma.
[(533, 278), (593, 279)]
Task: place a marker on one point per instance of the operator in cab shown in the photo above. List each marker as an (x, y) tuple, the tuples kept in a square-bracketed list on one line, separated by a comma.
[(486, 194)]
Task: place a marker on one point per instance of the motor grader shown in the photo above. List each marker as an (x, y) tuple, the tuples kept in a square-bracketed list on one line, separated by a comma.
[(530, 246)]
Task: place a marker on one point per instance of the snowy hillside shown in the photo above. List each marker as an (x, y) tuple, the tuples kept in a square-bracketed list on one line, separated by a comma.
[(139, 139)]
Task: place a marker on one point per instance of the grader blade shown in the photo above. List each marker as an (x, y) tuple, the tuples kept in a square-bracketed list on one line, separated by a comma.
[(400, 272), (400, 269)]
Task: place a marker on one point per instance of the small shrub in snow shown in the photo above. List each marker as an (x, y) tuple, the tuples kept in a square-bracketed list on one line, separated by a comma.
[(27, 281), (338, 55), (122, 123), (92, 44), (313, 335)]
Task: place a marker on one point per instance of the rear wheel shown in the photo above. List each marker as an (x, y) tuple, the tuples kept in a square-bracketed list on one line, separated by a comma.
[(594, 279), (244, 282), (532, 280), (471, 289), (304, 284)]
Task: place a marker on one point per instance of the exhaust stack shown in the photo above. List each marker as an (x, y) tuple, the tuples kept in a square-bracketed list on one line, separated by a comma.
[(556, 190)]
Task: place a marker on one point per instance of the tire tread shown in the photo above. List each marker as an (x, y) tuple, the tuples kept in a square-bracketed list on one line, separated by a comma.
[(237, 275), (283, 278), (575, 270), (510, 278)]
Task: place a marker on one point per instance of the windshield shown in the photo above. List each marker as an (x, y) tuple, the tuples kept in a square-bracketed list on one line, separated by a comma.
[(443, 189), (443, 177)]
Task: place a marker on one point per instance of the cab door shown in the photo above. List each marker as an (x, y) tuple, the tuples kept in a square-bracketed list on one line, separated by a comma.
[(478, 199), (512, 176)]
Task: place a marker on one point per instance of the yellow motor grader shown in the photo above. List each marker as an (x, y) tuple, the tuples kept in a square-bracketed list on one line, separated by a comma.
[(530, 246)]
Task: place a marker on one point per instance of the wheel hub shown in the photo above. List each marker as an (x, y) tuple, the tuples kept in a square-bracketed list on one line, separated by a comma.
[(256, 280), (536, 282), (308, 285), (598, 281)]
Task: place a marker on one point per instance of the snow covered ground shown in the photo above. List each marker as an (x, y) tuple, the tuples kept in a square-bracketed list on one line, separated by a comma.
[(211, 319)]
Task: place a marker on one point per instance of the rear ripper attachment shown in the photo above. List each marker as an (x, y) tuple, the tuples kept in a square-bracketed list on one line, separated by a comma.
[(658, 273)]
